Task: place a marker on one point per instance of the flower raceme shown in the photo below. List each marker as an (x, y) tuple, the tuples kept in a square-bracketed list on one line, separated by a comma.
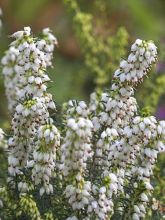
[(45, 156), (25, 63), (26, 80), (126, 142), (108, 150)]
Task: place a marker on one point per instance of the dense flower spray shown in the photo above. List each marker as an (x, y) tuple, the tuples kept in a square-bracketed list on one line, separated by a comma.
[(25, 77), (127, 143), (76, 150), (104, 165), (24, 66), (44, 156)]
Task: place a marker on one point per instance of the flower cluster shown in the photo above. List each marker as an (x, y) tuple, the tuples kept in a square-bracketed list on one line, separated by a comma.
[(139, 62), (101, 206), (149, 135), (25, 64), (76, 150), (47, 44), (27, 118), (79, 195), (118, 108), (26, 80), (126, 142), (45, 156)]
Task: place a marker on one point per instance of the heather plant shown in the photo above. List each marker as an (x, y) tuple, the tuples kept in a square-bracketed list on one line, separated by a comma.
[(97, 162)]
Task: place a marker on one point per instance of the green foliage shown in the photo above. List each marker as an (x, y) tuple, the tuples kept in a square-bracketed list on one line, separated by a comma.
[(3, 168), (48, 216), (29, 207), (14, 206), (8, 208)]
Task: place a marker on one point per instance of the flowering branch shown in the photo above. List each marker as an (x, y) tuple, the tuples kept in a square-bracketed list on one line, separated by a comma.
[(104, 165)]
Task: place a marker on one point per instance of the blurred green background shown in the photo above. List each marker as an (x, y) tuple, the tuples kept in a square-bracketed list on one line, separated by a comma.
[(71, 79)]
